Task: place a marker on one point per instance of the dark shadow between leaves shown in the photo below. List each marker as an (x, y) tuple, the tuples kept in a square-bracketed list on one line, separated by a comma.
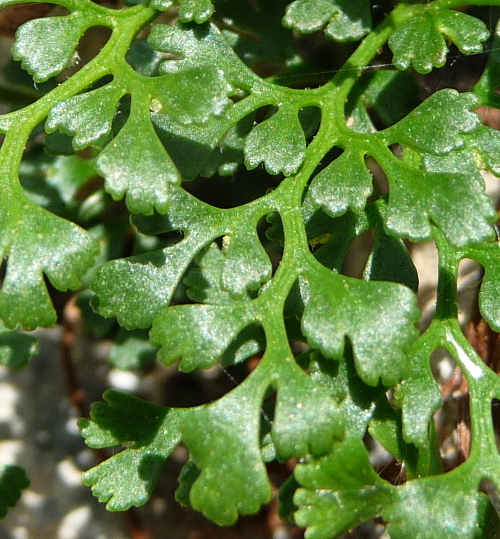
[(240, 188), (380, 183), (272, 247), (129, 419), (149, 469), (33, 176), (144, 60), (362, 395), (331, 240), (18, 87), (333, 153), (183, 390), (310, 120), (156, 224), (188, 146), (495, 418), (90, 45), (460, 72), (389, 259), (249, 343)]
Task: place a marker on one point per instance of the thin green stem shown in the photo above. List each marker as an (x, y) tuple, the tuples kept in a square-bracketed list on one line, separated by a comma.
[(343, 82), (446, 303), (111, 56), (19, 124)]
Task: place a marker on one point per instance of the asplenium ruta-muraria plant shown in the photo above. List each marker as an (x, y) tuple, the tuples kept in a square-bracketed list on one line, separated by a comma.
[(192, 88)]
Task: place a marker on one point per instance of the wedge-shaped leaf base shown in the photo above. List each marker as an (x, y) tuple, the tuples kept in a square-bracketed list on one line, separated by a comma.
[(339, 492), (438, 125), (260, 147), (344, 183), (344, 21), (197, 335), (419, 41), (441, 191), (223, 441), (226, 474), (307, 419), (150, 431), (37, 242), (338, 306), (136, 164), (87, 116), (46, 46), (342, 490)]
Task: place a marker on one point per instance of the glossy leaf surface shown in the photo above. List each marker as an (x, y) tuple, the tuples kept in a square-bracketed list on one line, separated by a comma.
[(420, 41), (46, 46), (344, 21), (326, 331), (214, 177)]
